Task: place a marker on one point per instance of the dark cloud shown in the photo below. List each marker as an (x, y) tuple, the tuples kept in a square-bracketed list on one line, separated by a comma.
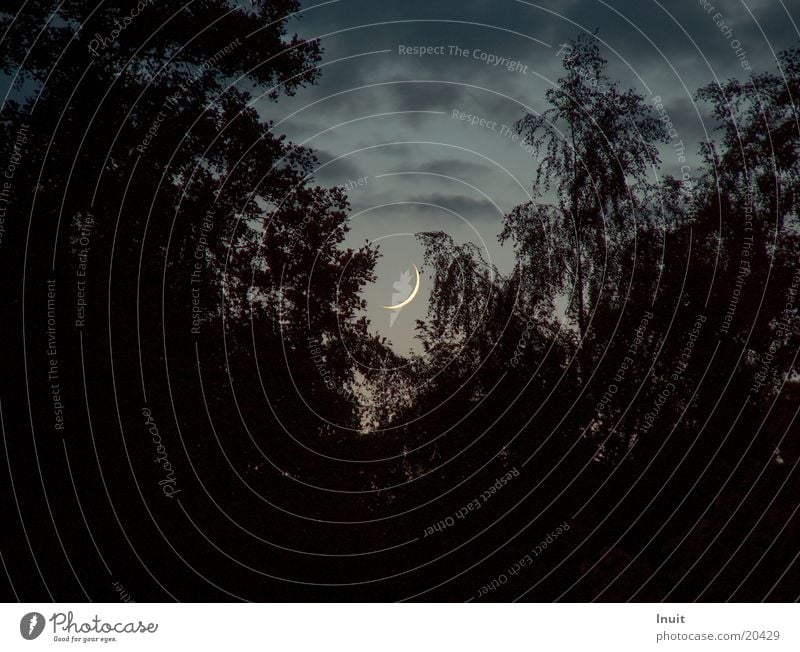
[(335, 172), (431, 206), (657, 49), (453, 167), (463, 206)]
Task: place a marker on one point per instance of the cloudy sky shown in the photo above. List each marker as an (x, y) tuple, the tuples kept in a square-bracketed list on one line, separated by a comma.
[(386, 117)]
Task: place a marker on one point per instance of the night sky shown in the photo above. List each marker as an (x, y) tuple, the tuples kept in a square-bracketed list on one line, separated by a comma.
[(386, 117), (196, 402)]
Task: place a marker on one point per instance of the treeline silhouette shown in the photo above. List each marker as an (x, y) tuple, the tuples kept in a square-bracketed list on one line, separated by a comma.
[(634, 376)]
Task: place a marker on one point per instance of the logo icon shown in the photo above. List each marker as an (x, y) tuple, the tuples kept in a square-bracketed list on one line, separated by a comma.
[(31, 625), (402, 290)]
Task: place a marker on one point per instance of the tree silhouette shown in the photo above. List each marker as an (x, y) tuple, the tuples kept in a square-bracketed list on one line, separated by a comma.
[(212, 257), (638, 359), (597, 148)]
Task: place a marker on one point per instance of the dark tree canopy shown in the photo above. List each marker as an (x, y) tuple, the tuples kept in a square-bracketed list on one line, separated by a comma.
[(196, 279)]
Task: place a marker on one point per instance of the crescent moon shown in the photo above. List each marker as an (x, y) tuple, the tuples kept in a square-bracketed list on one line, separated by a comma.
[(410, 296)]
